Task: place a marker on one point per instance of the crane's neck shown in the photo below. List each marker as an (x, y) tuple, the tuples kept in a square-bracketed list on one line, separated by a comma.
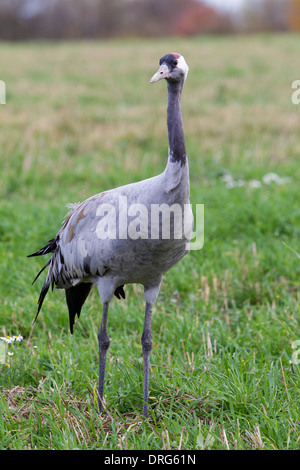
[(177, 150)]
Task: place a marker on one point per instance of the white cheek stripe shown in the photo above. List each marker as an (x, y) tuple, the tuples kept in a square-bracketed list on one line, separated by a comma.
[(182, 64)]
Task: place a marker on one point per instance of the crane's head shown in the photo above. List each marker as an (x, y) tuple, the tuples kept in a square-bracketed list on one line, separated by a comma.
[(173, 67)]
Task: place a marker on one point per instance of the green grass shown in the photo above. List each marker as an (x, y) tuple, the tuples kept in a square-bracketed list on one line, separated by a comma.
[(81, 118)]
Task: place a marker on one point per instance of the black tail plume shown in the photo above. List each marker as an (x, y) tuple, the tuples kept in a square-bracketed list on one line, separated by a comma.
[(43, 294), (50, 248), (46, 249), (75, 297), (40, 272)]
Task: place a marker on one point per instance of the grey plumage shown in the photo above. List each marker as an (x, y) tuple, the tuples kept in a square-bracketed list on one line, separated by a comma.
[(82, 258)]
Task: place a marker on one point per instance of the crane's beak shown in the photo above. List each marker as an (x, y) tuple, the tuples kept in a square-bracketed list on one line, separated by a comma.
[(163, 72)]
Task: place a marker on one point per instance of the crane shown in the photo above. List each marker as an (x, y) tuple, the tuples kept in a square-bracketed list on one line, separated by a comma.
[(131, 234)]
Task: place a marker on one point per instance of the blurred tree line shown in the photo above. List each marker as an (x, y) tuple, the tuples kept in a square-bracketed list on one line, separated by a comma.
[(294, 15), (265, 15), (75, 19)]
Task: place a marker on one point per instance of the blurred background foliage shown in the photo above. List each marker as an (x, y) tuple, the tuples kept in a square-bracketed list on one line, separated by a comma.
[(76, 19)]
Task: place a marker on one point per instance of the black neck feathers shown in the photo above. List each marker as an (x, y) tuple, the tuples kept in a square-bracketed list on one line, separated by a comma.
[(177, 150)]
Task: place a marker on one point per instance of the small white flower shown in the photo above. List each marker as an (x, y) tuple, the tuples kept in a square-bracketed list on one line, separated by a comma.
[(227, 178), (274, 178), (255, 184), (11, 339), (10, 353), (230, 182), (6, 339), (18, 338)]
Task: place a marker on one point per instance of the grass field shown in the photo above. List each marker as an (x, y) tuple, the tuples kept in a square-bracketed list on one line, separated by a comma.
[(81, 118)]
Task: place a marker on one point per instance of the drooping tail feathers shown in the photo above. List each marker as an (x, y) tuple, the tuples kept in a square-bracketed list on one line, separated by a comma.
[(50, 248), (75, 296), (46, 249)]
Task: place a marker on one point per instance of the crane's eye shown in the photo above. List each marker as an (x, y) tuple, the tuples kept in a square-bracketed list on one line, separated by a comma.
[(175, 62)]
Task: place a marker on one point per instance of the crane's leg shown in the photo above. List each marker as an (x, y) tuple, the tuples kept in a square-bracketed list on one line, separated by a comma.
[(147, 346), (103, 341)]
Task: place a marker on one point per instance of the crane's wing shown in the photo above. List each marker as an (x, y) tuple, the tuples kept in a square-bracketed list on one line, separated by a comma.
[(77, 254)]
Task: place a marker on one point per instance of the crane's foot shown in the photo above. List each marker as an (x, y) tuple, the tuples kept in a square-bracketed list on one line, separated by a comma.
[(100, 404)]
